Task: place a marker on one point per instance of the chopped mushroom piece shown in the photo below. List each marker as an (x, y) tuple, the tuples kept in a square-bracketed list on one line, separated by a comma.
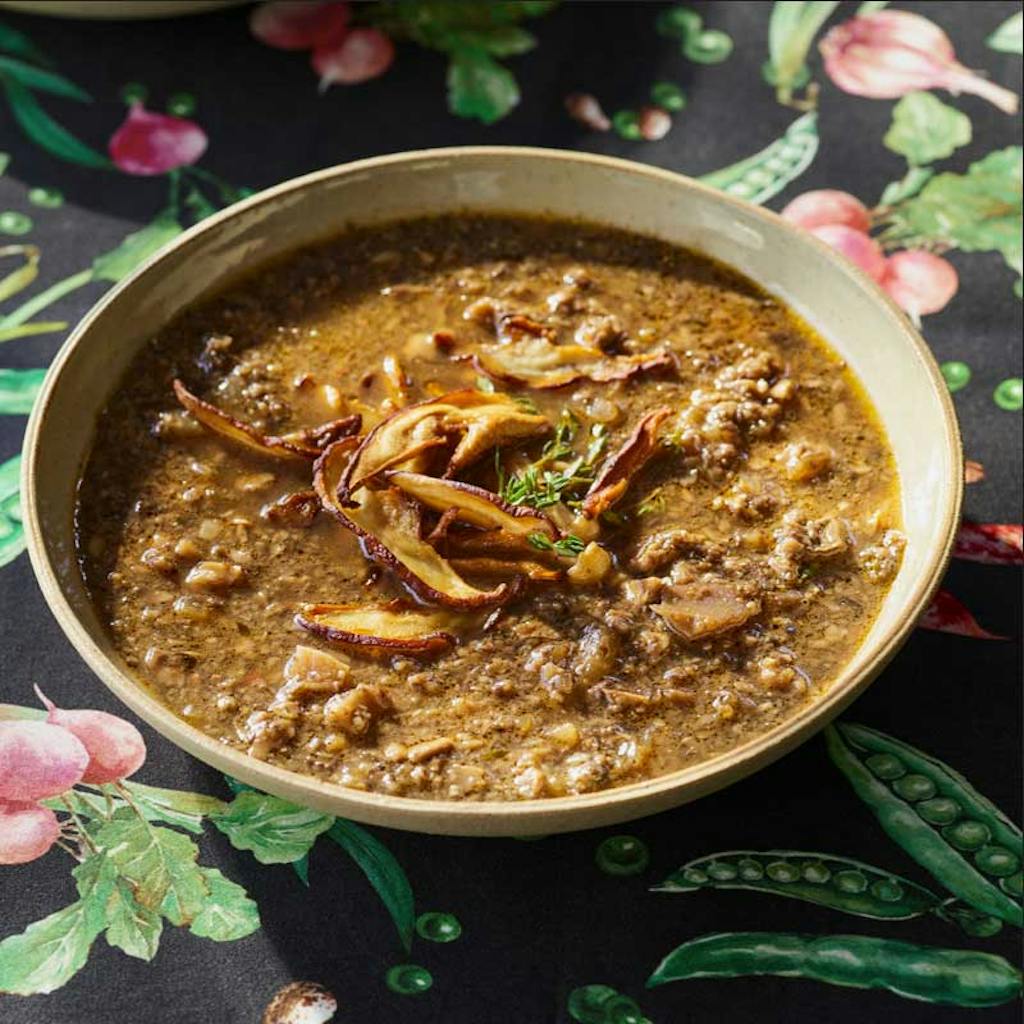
[(591, 566), (622, 467), (471, 421), (539, 363), (297, 509), (665, 546), (397, 626), (214, 576), (700, 610), (300, 444), (356, 711), (388, 525), (803, 461), (474, 505), (420, 752)]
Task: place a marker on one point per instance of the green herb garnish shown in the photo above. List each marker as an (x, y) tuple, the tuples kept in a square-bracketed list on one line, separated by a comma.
[(568, 546)]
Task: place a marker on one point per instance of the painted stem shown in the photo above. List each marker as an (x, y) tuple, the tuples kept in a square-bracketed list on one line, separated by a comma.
[(84, 836), (28, 309)]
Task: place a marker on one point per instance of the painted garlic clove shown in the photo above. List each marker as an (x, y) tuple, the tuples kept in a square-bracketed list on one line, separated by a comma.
[(888, 54), (364, 53), (301, 1002), (38, 760), (300, 24), (856, 246), (27, 831), (920, 282), (827, 206)]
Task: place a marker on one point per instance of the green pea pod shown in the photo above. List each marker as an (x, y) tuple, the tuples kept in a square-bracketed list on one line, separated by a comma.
[(952, 831), (827, 880), (768, 172), (791, 31), (955, 977)]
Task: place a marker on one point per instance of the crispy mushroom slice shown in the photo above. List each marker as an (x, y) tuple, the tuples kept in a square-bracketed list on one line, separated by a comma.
[(473, 420), (700, 610), (537, 362), (508, 547), (502, 569), (388, 525), (472, 504), (300, 444), (622, 467), (398, 626)]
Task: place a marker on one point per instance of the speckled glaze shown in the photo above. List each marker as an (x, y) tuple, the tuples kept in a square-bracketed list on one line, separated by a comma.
[(850, 312)]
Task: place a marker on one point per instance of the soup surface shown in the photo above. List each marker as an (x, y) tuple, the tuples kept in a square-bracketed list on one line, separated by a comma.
[(485, 507)]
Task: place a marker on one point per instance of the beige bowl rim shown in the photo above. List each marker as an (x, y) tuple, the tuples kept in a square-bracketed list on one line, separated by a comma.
[(516, 818)]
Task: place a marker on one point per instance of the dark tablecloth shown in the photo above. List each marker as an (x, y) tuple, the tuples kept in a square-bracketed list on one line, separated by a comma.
[(539, 919)]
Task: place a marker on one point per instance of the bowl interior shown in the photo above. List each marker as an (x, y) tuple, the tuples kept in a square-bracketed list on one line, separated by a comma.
[(848, 310)]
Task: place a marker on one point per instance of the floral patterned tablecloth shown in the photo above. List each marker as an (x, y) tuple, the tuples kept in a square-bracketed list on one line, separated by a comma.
[(869, 866)]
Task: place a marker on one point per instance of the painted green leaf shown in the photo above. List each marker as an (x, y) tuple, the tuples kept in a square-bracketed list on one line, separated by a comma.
[(791, 31), (385, 874), (49, 952), (228, 913), (924, 129), (18, 390), (909, 185), (136, 247), (20, 278), (131, 927), (480, 87), (159, 863), (501, 41), (979, 211), (174, 806), (19, 45), (273, 830), (301, 868), (44, 81), (763, 175), (44, 131), (5, 161), (1009, 37), (12, 532), (28, 330)]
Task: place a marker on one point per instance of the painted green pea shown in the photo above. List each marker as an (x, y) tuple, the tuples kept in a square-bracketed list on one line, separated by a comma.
[(780, 871), (885, 766), (967, 835), (1009, 394), (750, 869), (678, 22), (914, 787), (408, 979), (939, 810), (1014, 885), (888, 890), (850, 881), (995, 860), (957, 374), (707, 47), (620, 1009), (627, 124), (816, 872), (721, 872), (50, 198), (622, 855), (134, 92), (438, 927), (181, 104), (668, 95), (14, 223), (587, 1003)]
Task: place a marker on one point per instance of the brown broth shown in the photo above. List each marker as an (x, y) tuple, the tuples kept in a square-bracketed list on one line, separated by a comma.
[(774, 465)]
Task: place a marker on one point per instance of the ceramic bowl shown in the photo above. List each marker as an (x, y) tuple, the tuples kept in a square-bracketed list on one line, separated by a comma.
[(847, 308)]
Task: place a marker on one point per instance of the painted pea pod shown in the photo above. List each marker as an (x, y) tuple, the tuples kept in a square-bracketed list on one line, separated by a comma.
[(955, 977), (935, 815), (769, 171), (839, 883)]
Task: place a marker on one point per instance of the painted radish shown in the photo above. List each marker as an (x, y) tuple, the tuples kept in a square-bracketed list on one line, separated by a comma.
[(363, 54), (149, 143), (827, 206), (920, 282), (115, 747), (27, 831), (855, 245), (38, 760), (300, 24)]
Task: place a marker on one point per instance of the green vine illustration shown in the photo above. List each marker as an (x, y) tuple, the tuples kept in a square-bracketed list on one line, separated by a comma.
[(935, 815)]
